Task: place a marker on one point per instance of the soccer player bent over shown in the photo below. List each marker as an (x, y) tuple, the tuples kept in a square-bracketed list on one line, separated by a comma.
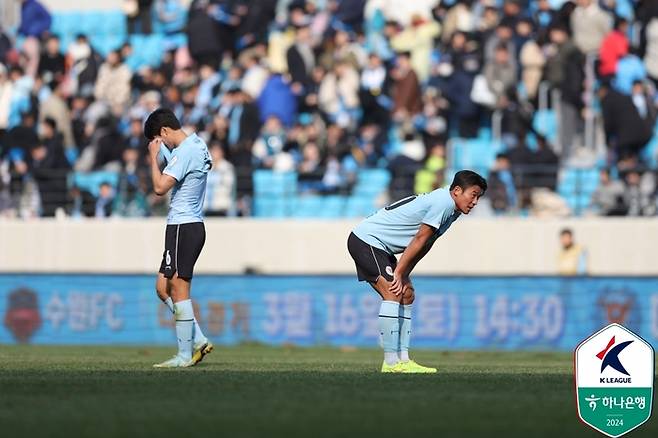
[(409, 226), (187, 165)]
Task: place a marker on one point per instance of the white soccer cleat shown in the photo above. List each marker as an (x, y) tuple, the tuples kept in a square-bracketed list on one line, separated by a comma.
[(175, 362)]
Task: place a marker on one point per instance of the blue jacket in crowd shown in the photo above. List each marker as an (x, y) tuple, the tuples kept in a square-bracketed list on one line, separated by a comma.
[(35, 19)]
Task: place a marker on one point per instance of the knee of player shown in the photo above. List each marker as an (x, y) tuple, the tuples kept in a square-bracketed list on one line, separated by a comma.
[(408, 298)]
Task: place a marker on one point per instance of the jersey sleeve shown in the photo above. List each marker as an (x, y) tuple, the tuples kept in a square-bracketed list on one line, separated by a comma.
[(178, 166), (165, 154), (438, 213)]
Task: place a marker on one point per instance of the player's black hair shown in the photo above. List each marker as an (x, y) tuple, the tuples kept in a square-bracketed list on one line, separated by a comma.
[(468, 178), (566, 231), (158, 119)]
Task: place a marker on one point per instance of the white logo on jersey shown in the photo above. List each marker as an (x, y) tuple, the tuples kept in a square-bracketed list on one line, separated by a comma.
[(168, 259), (389, 270)]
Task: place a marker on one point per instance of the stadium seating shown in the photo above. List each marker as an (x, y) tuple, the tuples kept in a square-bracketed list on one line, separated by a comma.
[(107, 31), (275, 195), (545, 122), (91, 181), (576, 186), (475, 154)]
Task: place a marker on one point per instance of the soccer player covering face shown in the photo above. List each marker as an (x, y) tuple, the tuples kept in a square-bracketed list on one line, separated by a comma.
[(410, 227), (187, 163)]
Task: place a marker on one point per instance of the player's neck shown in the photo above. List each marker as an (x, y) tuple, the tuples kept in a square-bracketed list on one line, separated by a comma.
[(178, 137)]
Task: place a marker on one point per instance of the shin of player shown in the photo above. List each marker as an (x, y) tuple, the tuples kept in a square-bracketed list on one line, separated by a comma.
[(163, 289), (409, 227)]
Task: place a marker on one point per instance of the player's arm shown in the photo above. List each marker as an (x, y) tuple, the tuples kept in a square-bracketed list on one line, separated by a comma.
[(162, 183), (419, 246)]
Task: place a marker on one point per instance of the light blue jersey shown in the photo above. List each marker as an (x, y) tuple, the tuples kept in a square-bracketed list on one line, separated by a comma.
[(189, 163), (392, 228)]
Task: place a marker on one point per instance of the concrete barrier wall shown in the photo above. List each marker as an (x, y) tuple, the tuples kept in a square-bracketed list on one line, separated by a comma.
[(471, 246)]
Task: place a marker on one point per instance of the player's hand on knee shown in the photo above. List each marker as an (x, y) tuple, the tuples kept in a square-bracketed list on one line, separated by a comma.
[(409, 293), (398, 284)]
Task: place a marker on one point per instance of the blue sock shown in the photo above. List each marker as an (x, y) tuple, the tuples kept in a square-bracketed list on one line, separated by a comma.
[(405, 332), (184, 328), (389, 327)]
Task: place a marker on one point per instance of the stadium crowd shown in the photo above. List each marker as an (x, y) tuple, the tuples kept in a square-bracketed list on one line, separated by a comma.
[(326, 88)]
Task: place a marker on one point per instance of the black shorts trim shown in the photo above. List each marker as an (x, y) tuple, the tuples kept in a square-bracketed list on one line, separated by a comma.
[(183, 245), (371, 262)]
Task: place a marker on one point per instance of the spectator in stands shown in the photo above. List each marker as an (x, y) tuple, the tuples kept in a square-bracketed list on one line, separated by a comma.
[(255, 75), (406, 89), (203, 35), (589, 24), (459, 18), (500, 73), (131, 199), (639, 190), (346, 49), (105, 200), (6, 202), (338, 95), (310, 169), (455, 74), (270, 143), (81, 203), (374, 94), (221, 189), (532, 62), (543, 17), (135, 138), (35, 23), (431, 176), (404, 166), (572, 258), (278, 100), (210, 79), (113, 83), (418, 39), (301, 60), (614, 47), (21, 139), (651, 48), (52, 64), (49, 167), (243, 118), (255, 22), (104, 151), (6, 87), (504, 35), (565, 72), (502, 193), (85, 63), (56, 107), (627, 132), (5, 46), (608, 198), (138, 13)]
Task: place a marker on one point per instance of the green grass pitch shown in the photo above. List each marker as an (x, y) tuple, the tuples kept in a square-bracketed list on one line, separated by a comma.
[(289, 392)]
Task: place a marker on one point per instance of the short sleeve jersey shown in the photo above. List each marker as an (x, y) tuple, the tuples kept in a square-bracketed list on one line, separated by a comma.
[(189, 164), (392, 228)]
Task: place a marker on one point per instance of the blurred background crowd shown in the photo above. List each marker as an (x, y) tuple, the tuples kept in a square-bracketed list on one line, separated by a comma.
[(333, 107)]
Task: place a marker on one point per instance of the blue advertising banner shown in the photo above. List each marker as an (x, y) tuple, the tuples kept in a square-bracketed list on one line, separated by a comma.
[(458, 313)]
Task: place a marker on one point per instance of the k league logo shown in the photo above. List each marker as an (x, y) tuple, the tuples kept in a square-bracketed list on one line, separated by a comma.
[(614, 375), (610, 357)]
